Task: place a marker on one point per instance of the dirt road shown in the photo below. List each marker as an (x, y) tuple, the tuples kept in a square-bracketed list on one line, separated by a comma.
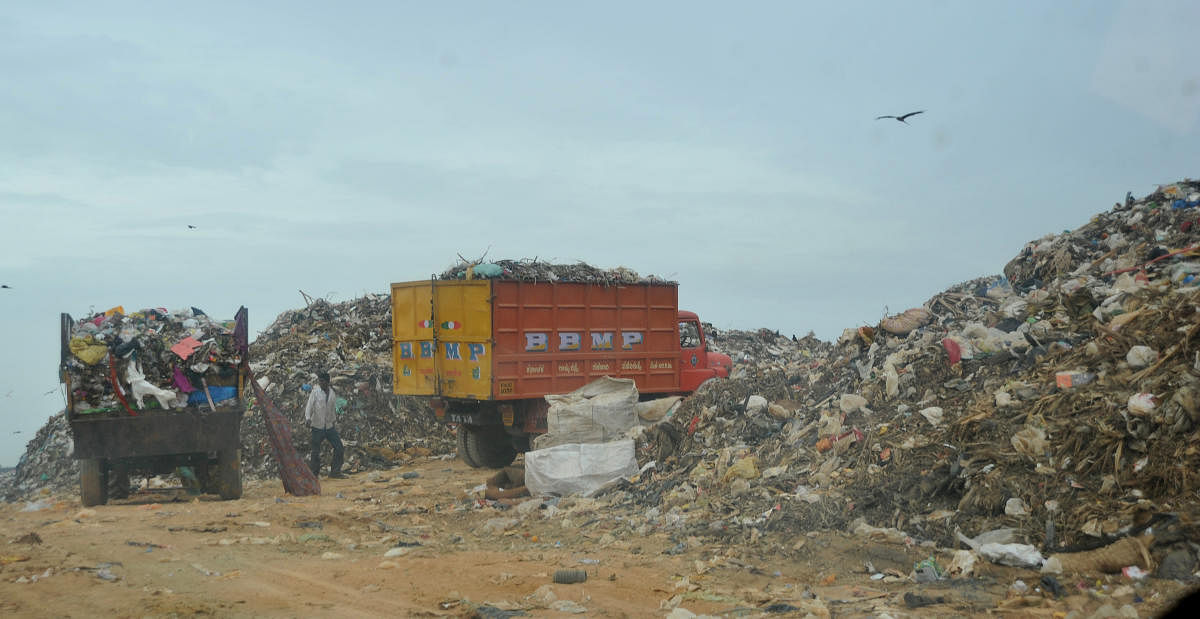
[(413, 542)]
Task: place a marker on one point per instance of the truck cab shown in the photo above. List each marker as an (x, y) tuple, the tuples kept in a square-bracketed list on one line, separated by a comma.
[(696, 362)]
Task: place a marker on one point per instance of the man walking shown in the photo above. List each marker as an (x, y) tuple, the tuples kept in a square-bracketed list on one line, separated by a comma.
[(319, 413)]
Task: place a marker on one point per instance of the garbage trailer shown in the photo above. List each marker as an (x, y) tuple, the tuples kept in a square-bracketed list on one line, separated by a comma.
[(153, 393)]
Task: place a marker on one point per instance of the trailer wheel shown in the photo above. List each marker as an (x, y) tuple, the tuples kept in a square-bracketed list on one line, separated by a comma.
[(464, 447), (229, 473), (93, 483), (490, 446), (118, 481)]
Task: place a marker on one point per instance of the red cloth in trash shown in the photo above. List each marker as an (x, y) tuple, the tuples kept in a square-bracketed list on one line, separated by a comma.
[(953, 350), (298, 479)]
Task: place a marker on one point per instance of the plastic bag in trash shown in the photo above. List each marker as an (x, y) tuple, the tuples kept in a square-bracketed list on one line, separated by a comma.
[(1016, 555), (1141, 403), (1141, 356), (903, 323), (488, 270)]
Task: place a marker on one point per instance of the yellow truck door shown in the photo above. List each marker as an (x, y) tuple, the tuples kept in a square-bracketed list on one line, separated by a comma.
[(441, 338), (414, 370), (463, 332)]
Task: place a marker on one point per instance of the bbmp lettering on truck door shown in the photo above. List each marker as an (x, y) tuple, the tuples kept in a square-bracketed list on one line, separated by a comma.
[(426, 350), (602, 340), (629, 339), (406, 350)]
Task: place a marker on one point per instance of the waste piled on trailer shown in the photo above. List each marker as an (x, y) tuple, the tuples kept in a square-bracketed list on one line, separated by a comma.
[(534, 270), (1043, 414), (169, 356)]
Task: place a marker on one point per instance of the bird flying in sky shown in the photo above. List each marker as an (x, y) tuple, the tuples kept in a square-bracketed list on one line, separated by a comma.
[(902, 117), (191, 227)]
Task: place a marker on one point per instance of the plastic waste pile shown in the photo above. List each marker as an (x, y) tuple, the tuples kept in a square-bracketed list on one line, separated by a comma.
[(352, 341), (162, 358), (1060, 400), (46, 463)]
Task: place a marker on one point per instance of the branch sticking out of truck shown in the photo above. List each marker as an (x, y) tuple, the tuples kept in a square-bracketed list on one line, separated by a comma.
[(486, 352)]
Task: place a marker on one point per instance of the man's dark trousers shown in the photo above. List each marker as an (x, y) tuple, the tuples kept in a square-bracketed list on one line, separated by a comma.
[(314, 460)]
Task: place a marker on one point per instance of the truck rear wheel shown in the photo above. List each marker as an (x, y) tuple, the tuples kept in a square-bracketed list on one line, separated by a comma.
[(93, 482), (228, 473), (464, 448), (489, 446)]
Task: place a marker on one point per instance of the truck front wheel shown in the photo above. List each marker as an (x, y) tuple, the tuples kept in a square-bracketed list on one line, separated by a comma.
[(93, 483), (489, 446), (229, 473)]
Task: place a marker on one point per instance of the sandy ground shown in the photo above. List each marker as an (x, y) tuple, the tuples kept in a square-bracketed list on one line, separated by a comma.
[(164, 553)]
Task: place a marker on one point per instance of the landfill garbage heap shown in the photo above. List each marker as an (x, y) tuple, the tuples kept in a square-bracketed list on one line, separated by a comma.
[(1060, 400), (353, 342)]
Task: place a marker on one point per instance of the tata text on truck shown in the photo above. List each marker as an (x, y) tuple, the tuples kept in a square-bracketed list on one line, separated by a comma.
[(486, 352)]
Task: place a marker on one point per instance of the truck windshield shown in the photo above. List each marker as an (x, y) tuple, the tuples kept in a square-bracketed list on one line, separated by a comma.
[(689, 335)]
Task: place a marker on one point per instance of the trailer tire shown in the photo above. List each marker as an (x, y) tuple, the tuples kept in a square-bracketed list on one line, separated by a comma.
[(464, 447), (228, 473), (208, 484), (93, 482), (490, 446), (117, 481)]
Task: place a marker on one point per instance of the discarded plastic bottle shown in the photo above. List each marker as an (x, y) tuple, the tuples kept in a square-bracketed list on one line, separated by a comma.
[(569, 577)]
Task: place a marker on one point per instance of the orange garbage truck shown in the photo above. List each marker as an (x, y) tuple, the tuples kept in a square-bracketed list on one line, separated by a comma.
[(485, 352)]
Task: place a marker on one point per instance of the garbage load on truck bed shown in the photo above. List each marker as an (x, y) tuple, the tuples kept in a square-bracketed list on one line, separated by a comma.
[(153, 390)]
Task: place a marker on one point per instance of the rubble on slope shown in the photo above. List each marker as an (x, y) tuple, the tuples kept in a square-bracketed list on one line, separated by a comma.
[(1060, 400), (46, 463)]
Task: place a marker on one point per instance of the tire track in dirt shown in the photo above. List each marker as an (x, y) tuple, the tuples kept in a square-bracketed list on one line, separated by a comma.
[(293, 588)]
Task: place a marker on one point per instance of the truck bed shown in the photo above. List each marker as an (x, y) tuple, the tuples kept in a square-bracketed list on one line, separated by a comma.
[(509, 340)]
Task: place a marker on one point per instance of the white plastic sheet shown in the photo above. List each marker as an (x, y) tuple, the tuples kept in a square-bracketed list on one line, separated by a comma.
[(602, 410), (578, 468)]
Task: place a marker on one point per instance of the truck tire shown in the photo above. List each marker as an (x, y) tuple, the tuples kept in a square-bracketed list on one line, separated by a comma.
[(204, 475), (118, 481), (490, 446), (228, 473), (93, 482), (464, 448)]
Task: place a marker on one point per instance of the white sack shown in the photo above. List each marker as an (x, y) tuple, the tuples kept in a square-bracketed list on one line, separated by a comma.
[(599, 411), (578, 468)]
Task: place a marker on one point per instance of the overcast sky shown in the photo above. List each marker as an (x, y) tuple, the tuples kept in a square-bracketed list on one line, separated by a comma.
[(337, 147)]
